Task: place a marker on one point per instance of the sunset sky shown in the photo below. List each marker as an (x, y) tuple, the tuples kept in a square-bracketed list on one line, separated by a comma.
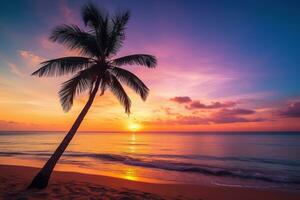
[(230, 66)]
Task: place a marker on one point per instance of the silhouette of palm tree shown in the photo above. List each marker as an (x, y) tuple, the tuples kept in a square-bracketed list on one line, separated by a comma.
[(94, 70)]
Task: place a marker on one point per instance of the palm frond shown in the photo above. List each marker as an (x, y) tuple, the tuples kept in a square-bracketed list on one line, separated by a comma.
[(97, 20), (75, 38), (136, 59), (117, 34), (117, 89), (62, 66), (131, 81), (92, 16), (82, 81), (95, 69)]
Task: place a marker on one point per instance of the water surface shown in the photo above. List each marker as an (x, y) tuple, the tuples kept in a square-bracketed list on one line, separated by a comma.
[(269, 160)]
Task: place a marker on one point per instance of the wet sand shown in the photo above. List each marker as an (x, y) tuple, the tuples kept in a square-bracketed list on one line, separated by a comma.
[(69, 185)]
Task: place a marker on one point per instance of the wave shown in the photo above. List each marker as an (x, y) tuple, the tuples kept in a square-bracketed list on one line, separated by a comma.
[(177, 166), (196, 168), (229, 158)]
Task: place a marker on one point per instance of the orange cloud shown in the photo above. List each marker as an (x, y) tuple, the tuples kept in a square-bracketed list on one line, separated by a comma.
[(30, 58), (14, 125)]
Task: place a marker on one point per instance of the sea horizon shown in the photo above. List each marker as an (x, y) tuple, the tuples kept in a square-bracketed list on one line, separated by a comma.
[(157, 131)]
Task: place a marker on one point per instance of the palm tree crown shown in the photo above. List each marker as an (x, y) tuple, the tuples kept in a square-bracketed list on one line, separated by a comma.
[(96, 65)]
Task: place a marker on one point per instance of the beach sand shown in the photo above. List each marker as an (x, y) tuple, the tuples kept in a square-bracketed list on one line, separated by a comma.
[(69, 185)]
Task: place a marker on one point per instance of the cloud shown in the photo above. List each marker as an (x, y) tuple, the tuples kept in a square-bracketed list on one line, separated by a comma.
[(192, 120), (196, 104), (213, 105), (9, 125), (233, 116), (293, 110), (8, 122), (31, 59), (222, 116), (182, 99), (236, 111), (220, 113), (14, 69), (168, 110)]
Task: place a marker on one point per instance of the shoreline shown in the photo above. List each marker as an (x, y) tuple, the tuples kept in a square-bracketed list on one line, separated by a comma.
[(14, 180)]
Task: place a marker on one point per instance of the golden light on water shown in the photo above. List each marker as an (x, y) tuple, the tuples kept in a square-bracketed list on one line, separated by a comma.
[(132, 143), (133, 138), (130, 174)]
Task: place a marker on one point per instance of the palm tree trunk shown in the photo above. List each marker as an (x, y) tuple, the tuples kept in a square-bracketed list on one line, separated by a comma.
[(41, 180)]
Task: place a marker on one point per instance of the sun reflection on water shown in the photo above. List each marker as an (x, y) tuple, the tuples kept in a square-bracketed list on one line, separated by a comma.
[(133, 138), (130, 174), (132, 142)]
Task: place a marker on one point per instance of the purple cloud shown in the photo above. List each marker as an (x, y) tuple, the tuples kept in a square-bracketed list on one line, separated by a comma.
[(293, 110), (236, 111), (182, 99), (222, 116), (196, 104), (217, 118), (233, 115), (214, 105)]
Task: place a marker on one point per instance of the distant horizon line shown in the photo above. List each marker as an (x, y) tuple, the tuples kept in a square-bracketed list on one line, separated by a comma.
[(157, 131)]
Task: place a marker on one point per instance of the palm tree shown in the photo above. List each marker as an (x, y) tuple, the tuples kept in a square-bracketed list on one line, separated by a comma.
[(95, 70)]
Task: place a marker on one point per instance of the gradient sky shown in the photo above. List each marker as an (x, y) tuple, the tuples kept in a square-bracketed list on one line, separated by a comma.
[(222, 65)]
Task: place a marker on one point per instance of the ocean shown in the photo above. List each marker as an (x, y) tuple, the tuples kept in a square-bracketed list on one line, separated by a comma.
[(256, 159)]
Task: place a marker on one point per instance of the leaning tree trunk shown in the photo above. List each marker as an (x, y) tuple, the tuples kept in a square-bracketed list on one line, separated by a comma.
[(41, 180)]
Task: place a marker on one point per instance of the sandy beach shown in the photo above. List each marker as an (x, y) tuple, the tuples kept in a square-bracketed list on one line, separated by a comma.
[(69, 185)]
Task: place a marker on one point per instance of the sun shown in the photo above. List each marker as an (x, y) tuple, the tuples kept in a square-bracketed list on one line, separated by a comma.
[(134, 127)]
